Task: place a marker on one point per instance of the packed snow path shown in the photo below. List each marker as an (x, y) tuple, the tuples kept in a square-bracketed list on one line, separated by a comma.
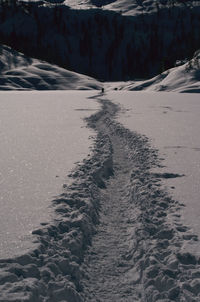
[(110, 274), (136, 253), (117, 236)]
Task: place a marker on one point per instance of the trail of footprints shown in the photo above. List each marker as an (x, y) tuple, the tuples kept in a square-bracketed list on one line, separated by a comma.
[(157, 268), (116, 200)]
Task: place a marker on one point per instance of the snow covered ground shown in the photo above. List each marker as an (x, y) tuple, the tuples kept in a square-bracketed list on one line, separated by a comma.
[(42, 135), (171, 122), (125, 227)]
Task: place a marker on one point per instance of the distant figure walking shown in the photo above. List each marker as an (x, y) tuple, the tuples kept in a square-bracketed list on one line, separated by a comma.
[(102, 90)]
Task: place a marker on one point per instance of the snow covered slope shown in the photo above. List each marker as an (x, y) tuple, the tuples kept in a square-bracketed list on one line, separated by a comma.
[(18, 72), (184, 78), (128, 7)]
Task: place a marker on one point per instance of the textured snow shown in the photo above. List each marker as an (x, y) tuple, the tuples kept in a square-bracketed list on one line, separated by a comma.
[(117, 230), (171, 121), (125, 7), (184, 78), (19, 72), (42, 135), (131, 8)]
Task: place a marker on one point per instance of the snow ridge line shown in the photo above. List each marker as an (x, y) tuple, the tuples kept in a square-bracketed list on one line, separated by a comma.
[(51, 272)]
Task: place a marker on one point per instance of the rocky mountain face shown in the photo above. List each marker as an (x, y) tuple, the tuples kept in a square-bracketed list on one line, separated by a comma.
[(102, 43)]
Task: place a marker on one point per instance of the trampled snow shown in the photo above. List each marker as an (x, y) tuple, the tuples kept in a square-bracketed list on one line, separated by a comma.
[(42, 135), (172, 123), (124, 224), (117, 231)]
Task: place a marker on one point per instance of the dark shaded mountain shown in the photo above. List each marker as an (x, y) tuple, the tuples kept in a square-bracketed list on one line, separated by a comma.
[(101, 43)]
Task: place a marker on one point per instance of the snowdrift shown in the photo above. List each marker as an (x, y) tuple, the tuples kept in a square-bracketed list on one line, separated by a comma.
[(19, 72), (184, 78)]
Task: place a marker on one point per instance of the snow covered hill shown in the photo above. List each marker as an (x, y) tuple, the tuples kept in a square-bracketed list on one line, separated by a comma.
[(184, 78), (19, 72)]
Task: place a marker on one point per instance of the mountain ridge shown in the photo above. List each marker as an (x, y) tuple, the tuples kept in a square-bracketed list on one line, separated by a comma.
[(102, 43)]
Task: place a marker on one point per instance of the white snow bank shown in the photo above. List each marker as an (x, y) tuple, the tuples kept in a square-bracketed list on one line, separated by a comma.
[(19, 72), (172, 123), (185, 78), (42, 135)]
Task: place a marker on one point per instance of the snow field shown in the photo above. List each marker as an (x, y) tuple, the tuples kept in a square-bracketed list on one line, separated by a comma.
[(117, 234), (171, 122), (42, 135), (51, 272), (137, 253)]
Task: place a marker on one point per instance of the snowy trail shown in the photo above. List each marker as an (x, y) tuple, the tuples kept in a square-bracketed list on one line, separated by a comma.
[(109, 272), (137, 253), (117, 235)]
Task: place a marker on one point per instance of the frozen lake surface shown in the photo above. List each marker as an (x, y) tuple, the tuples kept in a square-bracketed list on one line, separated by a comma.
[(42, 135)]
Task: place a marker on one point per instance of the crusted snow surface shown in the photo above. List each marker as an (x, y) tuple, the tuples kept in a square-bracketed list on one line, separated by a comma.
[(111, 239), (19, 72)]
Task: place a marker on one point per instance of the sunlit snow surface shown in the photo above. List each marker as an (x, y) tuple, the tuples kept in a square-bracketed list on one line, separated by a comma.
[(172, 123), (42, 135), (125, 7)]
